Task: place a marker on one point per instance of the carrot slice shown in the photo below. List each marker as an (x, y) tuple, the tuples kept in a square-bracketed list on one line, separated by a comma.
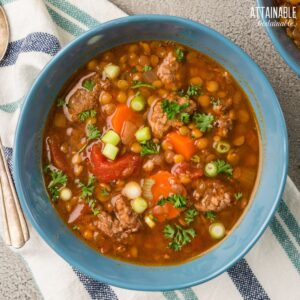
[(122, 114), (183, 145), (163, 188)]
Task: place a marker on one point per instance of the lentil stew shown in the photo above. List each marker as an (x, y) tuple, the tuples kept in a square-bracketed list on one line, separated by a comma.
[(151, 153)]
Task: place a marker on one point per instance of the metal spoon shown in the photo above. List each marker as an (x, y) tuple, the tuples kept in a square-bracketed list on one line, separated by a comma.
[(4, 33), (14, 225)]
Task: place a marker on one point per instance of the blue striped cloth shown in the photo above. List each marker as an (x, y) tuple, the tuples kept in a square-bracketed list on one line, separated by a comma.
[(269, 271)]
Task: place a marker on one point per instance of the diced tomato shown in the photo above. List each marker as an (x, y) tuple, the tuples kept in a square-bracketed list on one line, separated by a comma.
[(121, 168), (165, 184)]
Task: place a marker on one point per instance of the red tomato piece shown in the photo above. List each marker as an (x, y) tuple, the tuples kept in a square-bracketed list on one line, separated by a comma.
[(121, 168)]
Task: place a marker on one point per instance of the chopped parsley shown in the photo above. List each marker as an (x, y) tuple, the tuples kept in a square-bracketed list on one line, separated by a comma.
[(137, 84), (177, 200), (215, 101), (104, 192), (223, 167), (203, 121), (172, 109), (134, 70), (84, 115), (75, 227), (238, 196), (58, 181), (60, 102), (149, 147), (179, 236), (93, 132), (210, 215), (92, 203), (181, 93), (194, 90), (147, 68), (87, 190), (195, 159), (189, 215), (185, 118), (88, 84), (180, 56)]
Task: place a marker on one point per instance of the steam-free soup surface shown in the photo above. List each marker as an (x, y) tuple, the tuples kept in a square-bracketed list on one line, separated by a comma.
[(151, 153)]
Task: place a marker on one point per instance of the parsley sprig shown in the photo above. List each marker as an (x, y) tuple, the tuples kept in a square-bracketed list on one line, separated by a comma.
[(177, 200), (193, 90), (203, 121), (92, 204), (60, 102), (185, 118), (180, 56), (87, 192), (93, 132), (58, 181), (223, 167), (147, 68), (238, 196), (84, 115), (179, 236), (88, 84), (210, 215), (149, 147), (172, 109), (88, 189), (189, 215)]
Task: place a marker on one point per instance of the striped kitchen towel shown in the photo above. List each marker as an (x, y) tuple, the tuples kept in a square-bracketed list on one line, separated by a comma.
[(39, 28)]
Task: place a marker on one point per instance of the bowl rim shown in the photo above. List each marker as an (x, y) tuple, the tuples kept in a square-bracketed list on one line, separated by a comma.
[(291, 62), (18, 150)]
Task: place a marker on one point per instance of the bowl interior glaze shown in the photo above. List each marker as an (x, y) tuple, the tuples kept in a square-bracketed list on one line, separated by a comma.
[(27, 153)]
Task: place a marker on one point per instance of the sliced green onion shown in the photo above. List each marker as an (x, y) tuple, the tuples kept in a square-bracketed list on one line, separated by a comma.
[(138, 103), (111, 71), (216, 230), (222, 147), (143, 134), (149, 221), (110, 151), (139, 205), (147, 188), (211, 170), (111, 137)]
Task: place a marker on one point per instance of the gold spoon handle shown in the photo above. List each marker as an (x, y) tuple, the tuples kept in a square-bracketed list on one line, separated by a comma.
[(15, 221)]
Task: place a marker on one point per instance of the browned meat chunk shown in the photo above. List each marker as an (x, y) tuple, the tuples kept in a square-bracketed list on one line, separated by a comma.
[(170, 71), (158, 119), (224, 125), (124, 222), (212, 195), (83, 99), (222, 106)]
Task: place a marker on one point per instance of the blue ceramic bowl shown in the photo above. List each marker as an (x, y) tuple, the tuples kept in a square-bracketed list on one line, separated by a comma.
[(284, 45), (27, 153)]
